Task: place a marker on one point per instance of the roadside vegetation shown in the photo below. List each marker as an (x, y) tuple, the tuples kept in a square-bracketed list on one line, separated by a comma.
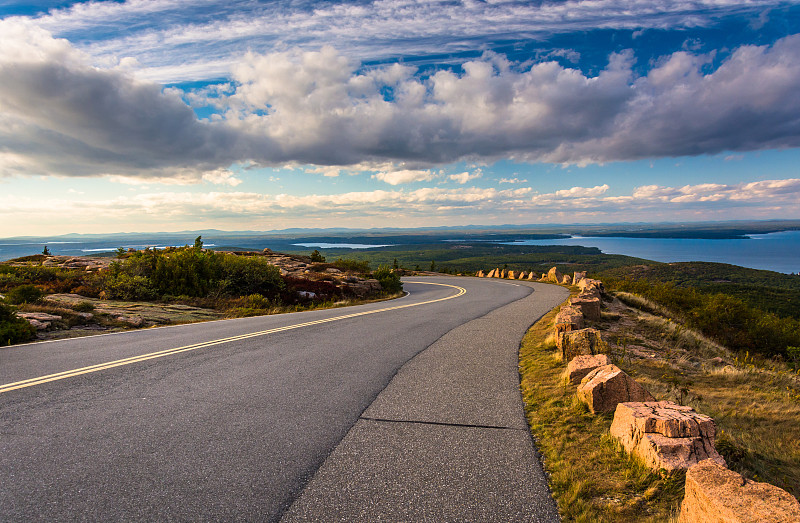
[(755, 402), (191, 278)]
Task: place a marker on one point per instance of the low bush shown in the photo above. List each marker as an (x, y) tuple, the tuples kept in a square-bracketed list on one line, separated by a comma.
[(347, 265), (24, 294), (12, 328), (123, 286), (723, 318), (83, 306), (389, 279), (190, 272)]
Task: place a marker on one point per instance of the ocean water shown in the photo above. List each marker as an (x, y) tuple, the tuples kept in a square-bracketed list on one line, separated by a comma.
[(778, 251)]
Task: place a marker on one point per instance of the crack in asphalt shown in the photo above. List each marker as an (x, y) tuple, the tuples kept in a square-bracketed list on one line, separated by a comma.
[(442, 423)]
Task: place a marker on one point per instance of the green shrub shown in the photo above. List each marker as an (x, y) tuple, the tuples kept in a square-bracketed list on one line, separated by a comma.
[(316, 257), (390, 280), (24, 294), (343, 264), (83, 306), (726, 319), (256, 301), (191, 272), (794, 356), (242, 276), (126, 287), (13, 329)]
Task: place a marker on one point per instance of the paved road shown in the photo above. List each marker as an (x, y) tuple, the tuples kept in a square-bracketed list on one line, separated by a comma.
[(231, 426)]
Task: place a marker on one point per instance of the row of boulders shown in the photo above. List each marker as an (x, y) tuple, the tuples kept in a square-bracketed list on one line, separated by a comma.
[(663, 435), (508, 275)]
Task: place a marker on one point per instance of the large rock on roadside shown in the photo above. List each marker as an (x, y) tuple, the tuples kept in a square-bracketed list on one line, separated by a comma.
[(586, 284), (716, 494), (566, 280), (581, 342), (589, 306), (578, 276), (590, 292), (665, 435), (580, 366), (606, 387), (531, 276), (512, 275), (480, 274), (554, 276), (568, 319)]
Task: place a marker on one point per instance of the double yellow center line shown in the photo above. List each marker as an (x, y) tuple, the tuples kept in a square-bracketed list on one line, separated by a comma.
[(169, 352)]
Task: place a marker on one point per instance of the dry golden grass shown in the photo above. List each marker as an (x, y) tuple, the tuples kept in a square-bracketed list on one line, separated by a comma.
[(591, 478), (756, 405)]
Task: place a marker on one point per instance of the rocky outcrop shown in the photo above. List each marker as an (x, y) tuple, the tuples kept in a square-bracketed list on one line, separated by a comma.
[(40, 320), (134, 321), (577, 277), (665, 435), (480, 274), (512, 275), (362, 288), (580, 366), (581, 342), (716, 494), (606, 387), (588, 305), (566, 280)]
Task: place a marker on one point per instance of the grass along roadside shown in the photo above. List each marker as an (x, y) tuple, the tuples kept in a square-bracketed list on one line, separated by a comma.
[(590, 476), (756, 405)]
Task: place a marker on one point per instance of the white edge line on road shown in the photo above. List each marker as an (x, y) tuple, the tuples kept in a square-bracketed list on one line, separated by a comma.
[(176, 350)]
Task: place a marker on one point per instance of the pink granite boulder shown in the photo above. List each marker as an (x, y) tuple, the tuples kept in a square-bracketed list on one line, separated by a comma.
[(606, 387)]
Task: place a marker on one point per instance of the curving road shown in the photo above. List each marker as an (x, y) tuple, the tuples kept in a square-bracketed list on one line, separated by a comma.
[(224, 420)]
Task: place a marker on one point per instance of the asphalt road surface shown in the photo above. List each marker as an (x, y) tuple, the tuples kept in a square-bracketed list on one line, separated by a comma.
[(225, 420)]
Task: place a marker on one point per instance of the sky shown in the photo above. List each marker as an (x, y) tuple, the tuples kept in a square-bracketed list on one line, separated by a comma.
[(168, 115)]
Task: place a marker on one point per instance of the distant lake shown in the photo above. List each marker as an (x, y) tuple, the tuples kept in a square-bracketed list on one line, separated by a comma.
[(322, 245), (777, 251)]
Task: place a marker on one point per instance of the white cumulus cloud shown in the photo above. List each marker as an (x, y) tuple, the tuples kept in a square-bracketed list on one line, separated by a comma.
[(61, 115)]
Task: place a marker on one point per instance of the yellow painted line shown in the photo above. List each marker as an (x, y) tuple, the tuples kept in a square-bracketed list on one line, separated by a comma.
[(169, 352)]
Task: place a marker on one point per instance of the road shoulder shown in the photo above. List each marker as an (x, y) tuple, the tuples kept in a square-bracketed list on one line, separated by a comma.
[(447, 438)]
